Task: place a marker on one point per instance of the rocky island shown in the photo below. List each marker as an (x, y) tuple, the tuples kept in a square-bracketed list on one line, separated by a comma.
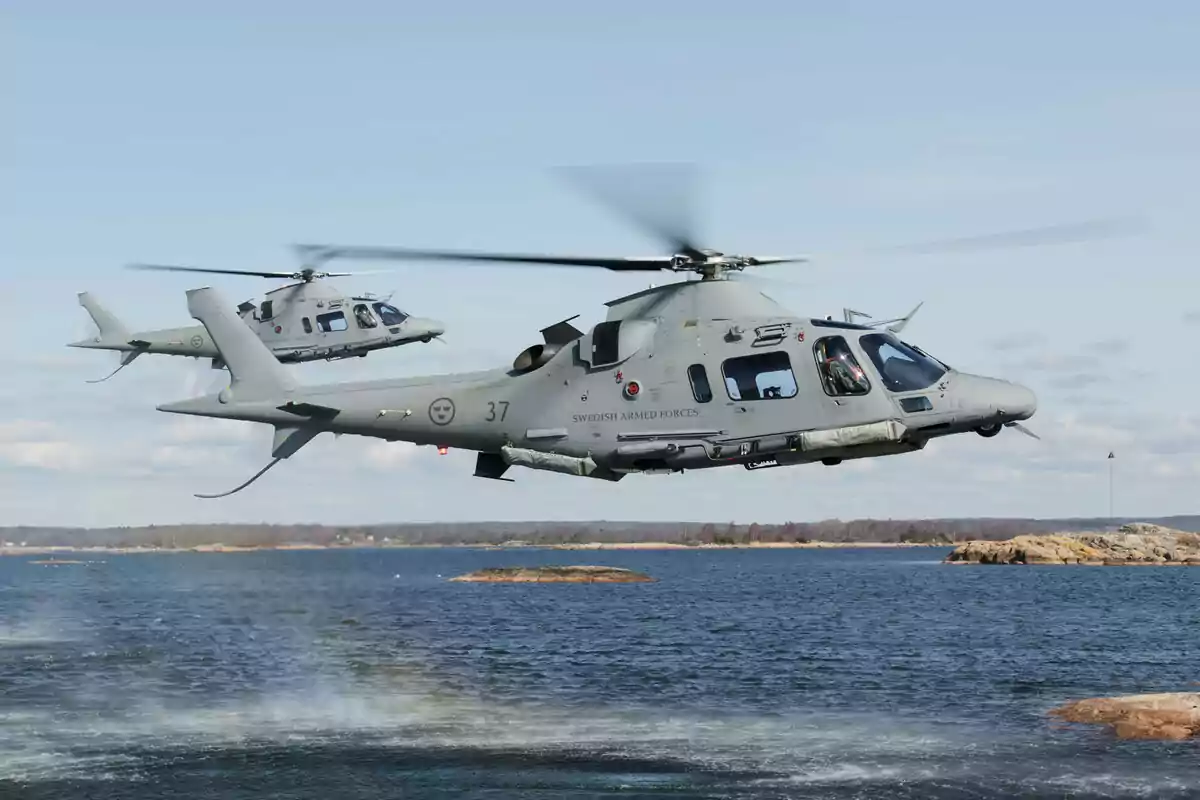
[(1169, 716), (1135, 543), (573, 574)]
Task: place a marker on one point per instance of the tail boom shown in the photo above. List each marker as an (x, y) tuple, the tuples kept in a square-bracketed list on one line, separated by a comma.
[(114, 335)]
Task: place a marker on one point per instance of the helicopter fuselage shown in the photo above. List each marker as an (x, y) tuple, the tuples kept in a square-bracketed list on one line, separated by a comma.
[(297, 323), (684, 376)]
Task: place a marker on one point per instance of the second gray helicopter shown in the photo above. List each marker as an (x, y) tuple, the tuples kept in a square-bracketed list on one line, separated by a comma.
[(305, 320)]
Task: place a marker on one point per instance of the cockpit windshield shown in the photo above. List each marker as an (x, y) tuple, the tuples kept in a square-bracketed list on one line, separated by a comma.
[(389, 314), (902, 367)]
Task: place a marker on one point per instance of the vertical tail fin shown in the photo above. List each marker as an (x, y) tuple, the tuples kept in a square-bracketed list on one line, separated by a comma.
[(110, 327), (254, 370)]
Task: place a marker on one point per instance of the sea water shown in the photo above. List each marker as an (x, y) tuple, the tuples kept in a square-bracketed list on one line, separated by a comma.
[(738, 673)]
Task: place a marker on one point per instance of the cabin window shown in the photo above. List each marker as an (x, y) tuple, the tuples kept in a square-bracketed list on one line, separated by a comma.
[(264, 312), (606, 343), (389, 314), (307, 325), (762, 376), (362, 315), (698, 377), (841, 374), (335, 321)]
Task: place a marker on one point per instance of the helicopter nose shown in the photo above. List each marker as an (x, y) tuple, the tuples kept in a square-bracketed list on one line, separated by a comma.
[(1014, 401), (434, 327), (991, 397), (424, 326)]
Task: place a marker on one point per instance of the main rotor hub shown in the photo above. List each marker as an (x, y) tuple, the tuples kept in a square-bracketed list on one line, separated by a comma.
[(311, 257), (711, 266)]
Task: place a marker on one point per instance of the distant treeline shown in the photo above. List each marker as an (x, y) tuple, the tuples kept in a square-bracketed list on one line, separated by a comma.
[(865, 530)]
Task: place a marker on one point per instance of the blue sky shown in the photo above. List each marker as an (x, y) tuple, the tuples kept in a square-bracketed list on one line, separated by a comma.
[(217, 135)]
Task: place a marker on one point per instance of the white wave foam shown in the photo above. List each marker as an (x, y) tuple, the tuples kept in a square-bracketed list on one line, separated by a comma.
[(390, 716), (37, 631), (1111, 785), (793, 749)]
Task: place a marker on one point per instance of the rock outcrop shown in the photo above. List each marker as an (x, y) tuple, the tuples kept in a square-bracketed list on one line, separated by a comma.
[(1135, 543), (1170, 716), (574, 574)]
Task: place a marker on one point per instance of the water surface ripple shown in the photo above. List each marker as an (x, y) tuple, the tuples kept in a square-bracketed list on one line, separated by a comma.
[(738, 674)]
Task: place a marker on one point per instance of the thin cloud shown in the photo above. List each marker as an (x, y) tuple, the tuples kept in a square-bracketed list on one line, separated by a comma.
[(1109, 346), (1077, 380), (41, 445), (1017, 342), (1056, 362), (1089, 399)]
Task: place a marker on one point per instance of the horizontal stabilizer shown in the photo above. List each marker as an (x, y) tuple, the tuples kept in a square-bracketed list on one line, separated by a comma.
[(311, 410)]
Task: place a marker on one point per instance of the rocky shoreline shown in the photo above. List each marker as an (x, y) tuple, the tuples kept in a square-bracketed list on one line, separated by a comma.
[(1170, 716), (571, 574), (16, 550), (1137, 543)]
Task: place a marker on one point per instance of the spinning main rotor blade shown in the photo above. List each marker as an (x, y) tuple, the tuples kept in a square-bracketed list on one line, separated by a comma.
[(1068, 233), (657, 197), (652, 263), (299, 274), (645, 264), (1029, 237), (173, 268)]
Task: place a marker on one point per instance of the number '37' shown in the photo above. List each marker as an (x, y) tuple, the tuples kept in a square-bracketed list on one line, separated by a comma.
[(491, 415)]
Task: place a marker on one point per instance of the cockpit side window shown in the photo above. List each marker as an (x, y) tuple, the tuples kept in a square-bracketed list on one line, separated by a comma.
[(902, 367), (841, 374), (389, 314), (362, 315), (264, 312)]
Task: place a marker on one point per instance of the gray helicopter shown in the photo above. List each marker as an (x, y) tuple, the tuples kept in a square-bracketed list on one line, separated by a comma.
[(694, 374), (687, 375), (298, 322)]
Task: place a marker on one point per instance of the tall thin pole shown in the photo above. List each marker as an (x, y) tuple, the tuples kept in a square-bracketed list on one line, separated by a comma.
[(1111, 459)]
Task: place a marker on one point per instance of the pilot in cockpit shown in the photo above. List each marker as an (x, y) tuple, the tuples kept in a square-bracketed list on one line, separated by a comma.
[(365, 320), (840, 369)]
